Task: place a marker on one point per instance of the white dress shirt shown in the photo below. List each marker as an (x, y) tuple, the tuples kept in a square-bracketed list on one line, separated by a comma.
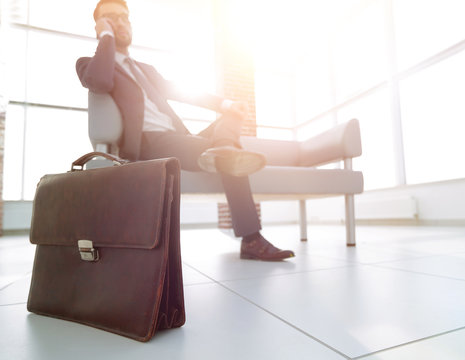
[(154, 119)]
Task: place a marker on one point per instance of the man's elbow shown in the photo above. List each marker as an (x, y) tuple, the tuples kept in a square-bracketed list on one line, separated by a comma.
[(97, 85), (95, 82)]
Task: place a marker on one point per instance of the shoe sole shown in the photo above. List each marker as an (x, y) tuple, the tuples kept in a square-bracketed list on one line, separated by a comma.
[(243, 163), (232, 162), (252, 257), (206, 162)]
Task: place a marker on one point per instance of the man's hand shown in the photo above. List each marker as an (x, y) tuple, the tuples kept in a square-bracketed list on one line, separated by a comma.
[(103, 24), (239, 108)]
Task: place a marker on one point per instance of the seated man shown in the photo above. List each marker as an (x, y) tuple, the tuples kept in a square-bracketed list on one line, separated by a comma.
[(151, 129)]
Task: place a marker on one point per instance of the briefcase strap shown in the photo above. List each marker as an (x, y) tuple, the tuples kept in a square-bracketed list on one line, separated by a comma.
[(78, 164)]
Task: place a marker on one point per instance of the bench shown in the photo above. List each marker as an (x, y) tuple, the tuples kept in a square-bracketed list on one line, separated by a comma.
[(291, 171)]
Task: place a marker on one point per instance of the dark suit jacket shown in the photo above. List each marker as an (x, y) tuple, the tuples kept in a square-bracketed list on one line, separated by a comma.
[(101, 74)]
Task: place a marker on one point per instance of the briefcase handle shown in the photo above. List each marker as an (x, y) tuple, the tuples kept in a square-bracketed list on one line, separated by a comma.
[(78, 164)]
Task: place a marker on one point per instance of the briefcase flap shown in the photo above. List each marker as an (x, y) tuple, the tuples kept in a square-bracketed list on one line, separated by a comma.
[(120, 206)]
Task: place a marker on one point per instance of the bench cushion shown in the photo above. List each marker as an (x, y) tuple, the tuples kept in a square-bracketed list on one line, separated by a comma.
[(282, 180)]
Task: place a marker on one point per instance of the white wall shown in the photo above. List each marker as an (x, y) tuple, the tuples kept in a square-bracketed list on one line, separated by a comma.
[(17, 215), (436, 203)]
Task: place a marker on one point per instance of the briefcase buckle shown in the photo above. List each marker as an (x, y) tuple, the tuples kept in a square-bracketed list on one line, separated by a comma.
[(87, 251)]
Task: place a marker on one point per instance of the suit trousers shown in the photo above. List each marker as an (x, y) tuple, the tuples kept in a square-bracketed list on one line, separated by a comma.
[(187, 148)]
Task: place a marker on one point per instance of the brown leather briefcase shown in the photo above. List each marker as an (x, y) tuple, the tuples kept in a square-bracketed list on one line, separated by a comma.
[(108, 251)]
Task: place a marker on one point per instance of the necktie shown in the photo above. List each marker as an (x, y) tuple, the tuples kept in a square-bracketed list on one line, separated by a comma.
[(140, 78), (153, 94), (150, 90)]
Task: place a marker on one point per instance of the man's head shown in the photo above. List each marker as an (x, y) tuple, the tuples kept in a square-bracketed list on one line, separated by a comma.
[(116, 13)]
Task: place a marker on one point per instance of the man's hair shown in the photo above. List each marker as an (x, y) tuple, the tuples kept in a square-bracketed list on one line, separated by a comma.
[(101, 2)]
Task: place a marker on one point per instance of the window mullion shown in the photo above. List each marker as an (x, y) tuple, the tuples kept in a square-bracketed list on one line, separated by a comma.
[(393, 85)]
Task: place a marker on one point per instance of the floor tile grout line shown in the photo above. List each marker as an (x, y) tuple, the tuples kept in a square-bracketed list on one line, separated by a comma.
[(22, 277), (416, 272), (328, 257), (361, 357), (6, 286), (348, 265), (197, 284), (13, 304), (273, 315), (353, 262), (387, 262), (287, 274), (423, 256), (347, 261)]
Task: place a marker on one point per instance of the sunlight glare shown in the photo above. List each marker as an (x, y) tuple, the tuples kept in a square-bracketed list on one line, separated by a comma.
[(275, 30)]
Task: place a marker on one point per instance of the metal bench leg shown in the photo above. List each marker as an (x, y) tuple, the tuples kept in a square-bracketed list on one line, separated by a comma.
[(350, 212), (350, 220), (303, 220)]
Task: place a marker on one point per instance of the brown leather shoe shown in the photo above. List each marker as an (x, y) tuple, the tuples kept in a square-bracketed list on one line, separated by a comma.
[(261, 249), (231, 160)]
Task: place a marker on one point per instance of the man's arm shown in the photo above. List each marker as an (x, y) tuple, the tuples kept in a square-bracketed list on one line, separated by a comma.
[(96, 73), (205, 100)]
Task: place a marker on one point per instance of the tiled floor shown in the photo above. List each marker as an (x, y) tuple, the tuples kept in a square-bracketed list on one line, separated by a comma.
[(400, 294)]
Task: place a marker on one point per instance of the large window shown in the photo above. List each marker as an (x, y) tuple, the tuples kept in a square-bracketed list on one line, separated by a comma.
[(46, 120), (377, 161), (397, 66), (425, 28), (275, 101), (358, 51), (433, 118)]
